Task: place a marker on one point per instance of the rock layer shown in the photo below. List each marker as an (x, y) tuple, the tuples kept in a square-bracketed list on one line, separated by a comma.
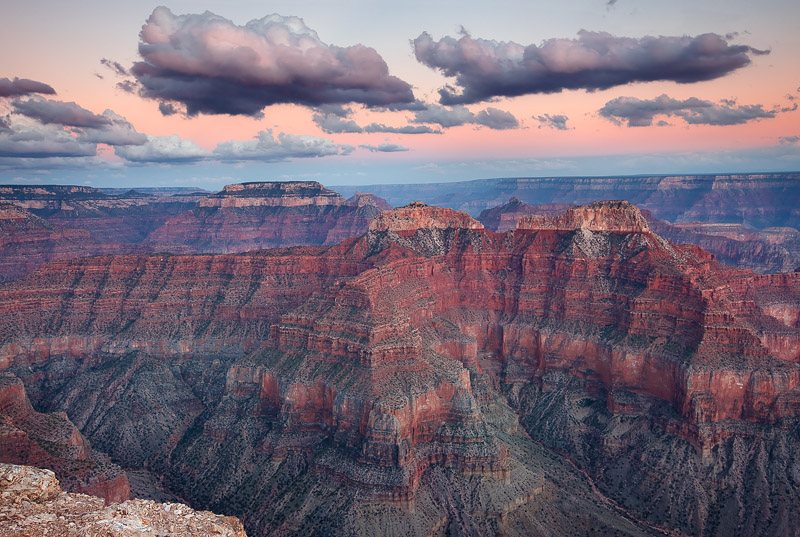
[(380, 362)]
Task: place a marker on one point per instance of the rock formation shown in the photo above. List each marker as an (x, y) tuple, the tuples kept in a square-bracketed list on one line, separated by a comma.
[(126, 218), (400, 375), (766, 250), (253, 216), (32, 503), (27, 241)]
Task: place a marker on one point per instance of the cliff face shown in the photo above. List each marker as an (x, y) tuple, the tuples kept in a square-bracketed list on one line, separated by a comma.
[(27, 241), (253, 216), (379, 362), (33, 503), (765, 250), (127, 218)]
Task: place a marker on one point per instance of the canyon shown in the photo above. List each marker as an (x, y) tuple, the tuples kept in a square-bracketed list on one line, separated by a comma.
[(424, 376)]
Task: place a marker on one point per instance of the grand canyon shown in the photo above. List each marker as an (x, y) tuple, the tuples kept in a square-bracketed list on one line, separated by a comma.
[(549, 362)]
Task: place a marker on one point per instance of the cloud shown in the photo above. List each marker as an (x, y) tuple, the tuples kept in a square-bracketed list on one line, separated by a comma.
[(333, 123), (58, 112), (167, 109), (214, 66), (23, 86), (640, 112), (116, 67), (384, 148), (496, 119), (163, 149), (337, 122), (118, 131), (558, 121), (408, 129), (789, 140), (109, 128), (485, 69), (35, 141), (128, 86), (264, 146), (460, 115)]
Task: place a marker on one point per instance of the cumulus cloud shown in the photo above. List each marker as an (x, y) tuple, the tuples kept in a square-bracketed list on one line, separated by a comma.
[(214, 66), (460, 115), (23, 86), (641, 112), (384, 148), (264, 146), (58, 112), (557, 121), (118, 131), (35, 141), (163, 149), (485, 69)]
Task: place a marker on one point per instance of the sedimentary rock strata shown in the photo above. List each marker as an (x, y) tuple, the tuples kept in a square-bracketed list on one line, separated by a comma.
[(382, 369)]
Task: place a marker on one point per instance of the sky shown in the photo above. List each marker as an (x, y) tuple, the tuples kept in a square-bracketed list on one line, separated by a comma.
[(206, 93)]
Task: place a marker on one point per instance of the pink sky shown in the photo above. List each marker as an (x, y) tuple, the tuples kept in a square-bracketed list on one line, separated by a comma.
[(746, 120)]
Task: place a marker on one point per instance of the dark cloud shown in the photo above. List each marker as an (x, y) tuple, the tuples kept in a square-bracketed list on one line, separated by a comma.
[(460, 115), (557, 121), (789, 140), (23, 86), (213, 66), (384, 148), (408, 129), (640, 112), (115, 67), (266, 147), (58, 112), (5, 123), (789, 108), (335, 110), (333, 123), (128, 86), (496, 119), (485, 69), (167, 109)]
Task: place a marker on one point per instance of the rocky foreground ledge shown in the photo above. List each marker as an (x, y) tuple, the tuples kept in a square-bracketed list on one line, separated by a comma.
[(32, 503)]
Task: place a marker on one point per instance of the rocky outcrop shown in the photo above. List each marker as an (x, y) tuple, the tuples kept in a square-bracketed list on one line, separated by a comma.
[(504, 217), (381, 362), (32, 503), (52, 441), (603, 216), (253, 216)]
